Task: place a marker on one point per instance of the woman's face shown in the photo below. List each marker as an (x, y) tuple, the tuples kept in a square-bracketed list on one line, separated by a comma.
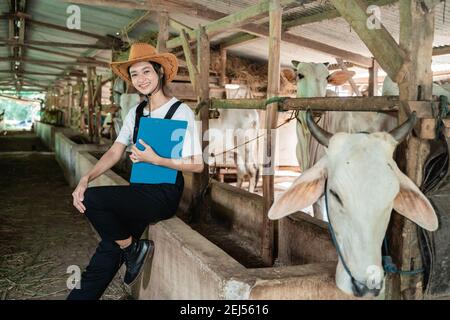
[(144, 77)]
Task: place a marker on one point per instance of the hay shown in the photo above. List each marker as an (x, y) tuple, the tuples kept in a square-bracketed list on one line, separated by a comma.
[(253, 74)]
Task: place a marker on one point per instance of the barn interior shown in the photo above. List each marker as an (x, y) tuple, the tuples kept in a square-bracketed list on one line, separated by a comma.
[(61, 107)]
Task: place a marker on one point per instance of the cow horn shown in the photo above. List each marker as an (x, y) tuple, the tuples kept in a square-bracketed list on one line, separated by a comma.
[(321, 135), (404, 129)]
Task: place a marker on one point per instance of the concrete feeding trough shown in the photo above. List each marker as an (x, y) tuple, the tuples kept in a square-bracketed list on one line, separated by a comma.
[(47, 133), (67, 146)]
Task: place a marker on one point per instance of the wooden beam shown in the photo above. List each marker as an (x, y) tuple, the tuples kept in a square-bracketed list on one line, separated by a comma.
[(135, 22), (42, 73), (271, 118), (52, 62), (258, 104), (439, 51), (384, 103), (223, 67), (238, 40), (378, 40), (178, 25), (54, 44), (163, 32), (326, 15), (201, 179), (110, 41), (153, 5), (231, 21), (61, 54), (193, 72)]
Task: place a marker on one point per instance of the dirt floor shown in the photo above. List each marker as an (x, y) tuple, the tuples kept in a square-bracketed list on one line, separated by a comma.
[(41, 233)]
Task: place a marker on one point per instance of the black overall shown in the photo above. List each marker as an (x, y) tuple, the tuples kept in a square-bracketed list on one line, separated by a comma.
[(118, 212)]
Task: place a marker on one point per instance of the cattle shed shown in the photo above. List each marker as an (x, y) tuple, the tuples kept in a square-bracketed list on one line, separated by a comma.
[(237, 60)]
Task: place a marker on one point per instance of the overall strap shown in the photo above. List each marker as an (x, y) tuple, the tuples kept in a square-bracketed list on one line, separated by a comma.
[(139, 114), (173, 109)]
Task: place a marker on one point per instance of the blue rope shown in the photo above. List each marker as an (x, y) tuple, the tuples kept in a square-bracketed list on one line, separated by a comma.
[(390, 267), (275, 99)]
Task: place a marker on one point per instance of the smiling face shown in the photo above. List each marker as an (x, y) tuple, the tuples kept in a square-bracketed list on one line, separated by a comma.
[(145, 78)]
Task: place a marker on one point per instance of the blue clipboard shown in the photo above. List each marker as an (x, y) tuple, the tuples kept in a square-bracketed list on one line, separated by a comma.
[(166, 137)]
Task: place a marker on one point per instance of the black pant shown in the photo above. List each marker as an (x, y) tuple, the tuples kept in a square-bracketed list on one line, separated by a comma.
[(118, 212)]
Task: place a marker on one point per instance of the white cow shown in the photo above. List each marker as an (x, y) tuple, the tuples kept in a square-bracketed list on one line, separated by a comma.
[(236, 128), (362, 183), (390, 88), (312, 80), (127, 101)]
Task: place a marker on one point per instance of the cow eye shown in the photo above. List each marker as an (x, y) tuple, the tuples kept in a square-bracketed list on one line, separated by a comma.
[(300, 76), (336, 196)]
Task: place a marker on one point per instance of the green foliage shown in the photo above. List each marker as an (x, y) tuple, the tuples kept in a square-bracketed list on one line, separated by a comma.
[(19, 110), (15, 111)]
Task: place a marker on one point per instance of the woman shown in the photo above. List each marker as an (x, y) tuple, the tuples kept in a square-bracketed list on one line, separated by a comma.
[(120, 214)]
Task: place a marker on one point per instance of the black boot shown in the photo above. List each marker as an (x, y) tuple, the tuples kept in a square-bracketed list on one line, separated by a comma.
[(135, 255)]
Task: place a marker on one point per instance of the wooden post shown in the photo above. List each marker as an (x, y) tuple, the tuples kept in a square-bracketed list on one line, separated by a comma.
[(80, 103), (201, 180), (223, 66), (373, 79), (90, 92), (267, 250), (69, 104), (98, 108), (416, 37), (192, 69), (163, 33), (377, 39)]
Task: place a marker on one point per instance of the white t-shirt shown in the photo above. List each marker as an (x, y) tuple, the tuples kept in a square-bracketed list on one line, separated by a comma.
[(191, 144)]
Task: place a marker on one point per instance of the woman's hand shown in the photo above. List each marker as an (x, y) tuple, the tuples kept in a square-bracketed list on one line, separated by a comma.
[(146, 155), (78, 194)]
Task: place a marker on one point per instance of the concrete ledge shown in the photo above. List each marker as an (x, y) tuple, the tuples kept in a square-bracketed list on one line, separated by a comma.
[(66, 152), (47, 133), (85, 162)]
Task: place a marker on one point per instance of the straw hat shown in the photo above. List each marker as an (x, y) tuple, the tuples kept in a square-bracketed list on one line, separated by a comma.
[(145, 52)]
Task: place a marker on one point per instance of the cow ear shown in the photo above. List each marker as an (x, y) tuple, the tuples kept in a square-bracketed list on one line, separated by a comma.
[(289, 74), (411, 203), (295, 63), (305, 190), (340, 77)]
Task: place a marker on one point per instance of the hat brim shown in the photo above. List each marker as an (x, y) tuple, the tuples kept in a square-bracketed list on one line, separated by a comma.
[(167, 60)]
